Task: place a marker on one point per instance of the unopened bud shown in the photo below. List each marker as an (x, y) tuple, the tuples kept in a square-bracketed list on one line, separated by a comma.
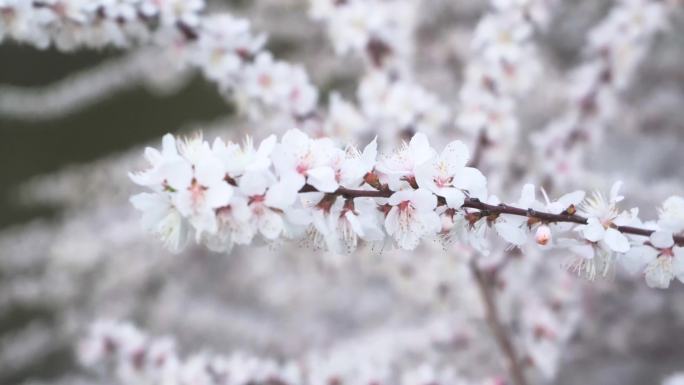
[(543, 235)]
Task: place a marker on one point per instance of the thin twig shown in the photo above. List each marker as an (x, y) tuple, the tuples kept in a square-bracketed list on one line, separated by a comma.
[(513, 364)]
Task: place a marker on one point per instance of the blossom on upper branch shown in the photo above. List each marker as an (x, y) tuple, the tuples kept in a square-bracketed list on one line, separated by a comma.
[(302, 160), (447, 176)]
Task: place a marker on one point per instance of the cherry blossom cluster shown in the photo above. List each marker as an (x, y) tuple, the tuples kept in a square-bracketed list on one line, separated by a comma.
[(390, 101), (335, 199), (373, 29), (222, 46), (502, 66), (615, 48), (137, 358)]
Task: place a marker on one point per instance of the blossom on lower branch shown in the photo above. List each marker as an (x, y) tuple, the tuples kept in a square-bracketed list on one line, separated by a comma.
[(338, 199)]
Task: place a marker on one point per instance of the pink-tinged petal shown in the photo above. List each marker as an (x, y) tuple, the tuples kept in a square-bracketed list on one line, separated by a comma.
[(636, 259), (323, 179), (593, 231), (400, 196), (662, 239), (511, 233), (617, 241)]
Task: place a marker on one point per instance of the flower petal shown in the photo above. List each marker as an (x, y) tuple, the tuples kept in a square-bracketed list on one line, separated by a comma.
[(616, 241)]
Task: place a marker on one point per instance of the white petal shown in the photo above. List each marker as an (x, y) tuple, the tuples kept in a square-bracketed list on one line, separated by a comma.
[(616, 241), (471, 180), (636, 259), (169, 147), (323, 179), (266, 146), (419, 149), (662, 239), (209, 170), (153, 206), (355, 223), (657, 276), (585, 251), (283, 194), (255, 183), (615, 191), (456, 154), (511, 233), (424, 200), (454, 197), (178, 174), (218, 195), (527, 196), (270, 225), (370, 154), (593, 230), (573, 198), (678, 263), (400, 196), (392, 221)]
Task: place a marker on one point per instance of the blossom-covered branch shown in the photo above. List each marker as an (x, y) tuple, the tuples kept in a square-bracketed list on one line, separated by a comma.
[(134, 357), (222, 46), (335, 199), (503, 65)]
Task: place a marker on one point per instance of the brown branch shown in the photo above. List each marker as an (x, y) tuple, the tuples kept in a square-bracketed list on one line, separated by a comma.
[(487, 210), (513, 363), (480, 146)]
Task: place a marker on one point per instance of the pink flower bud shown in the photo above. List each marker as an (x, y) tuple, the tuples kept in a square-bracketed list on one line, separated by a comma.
[(543, 235)]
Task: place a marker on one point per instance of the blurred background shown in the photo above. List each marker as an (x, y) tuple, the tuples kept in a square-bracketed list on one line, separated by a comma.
[(72, 251)]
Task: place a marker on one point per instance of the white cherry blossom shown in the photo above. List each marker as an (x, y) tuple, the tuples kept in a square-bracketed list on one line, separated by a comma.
[(400, 167), (302, 160), (447, 176), (602, 218), (412, 217)]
